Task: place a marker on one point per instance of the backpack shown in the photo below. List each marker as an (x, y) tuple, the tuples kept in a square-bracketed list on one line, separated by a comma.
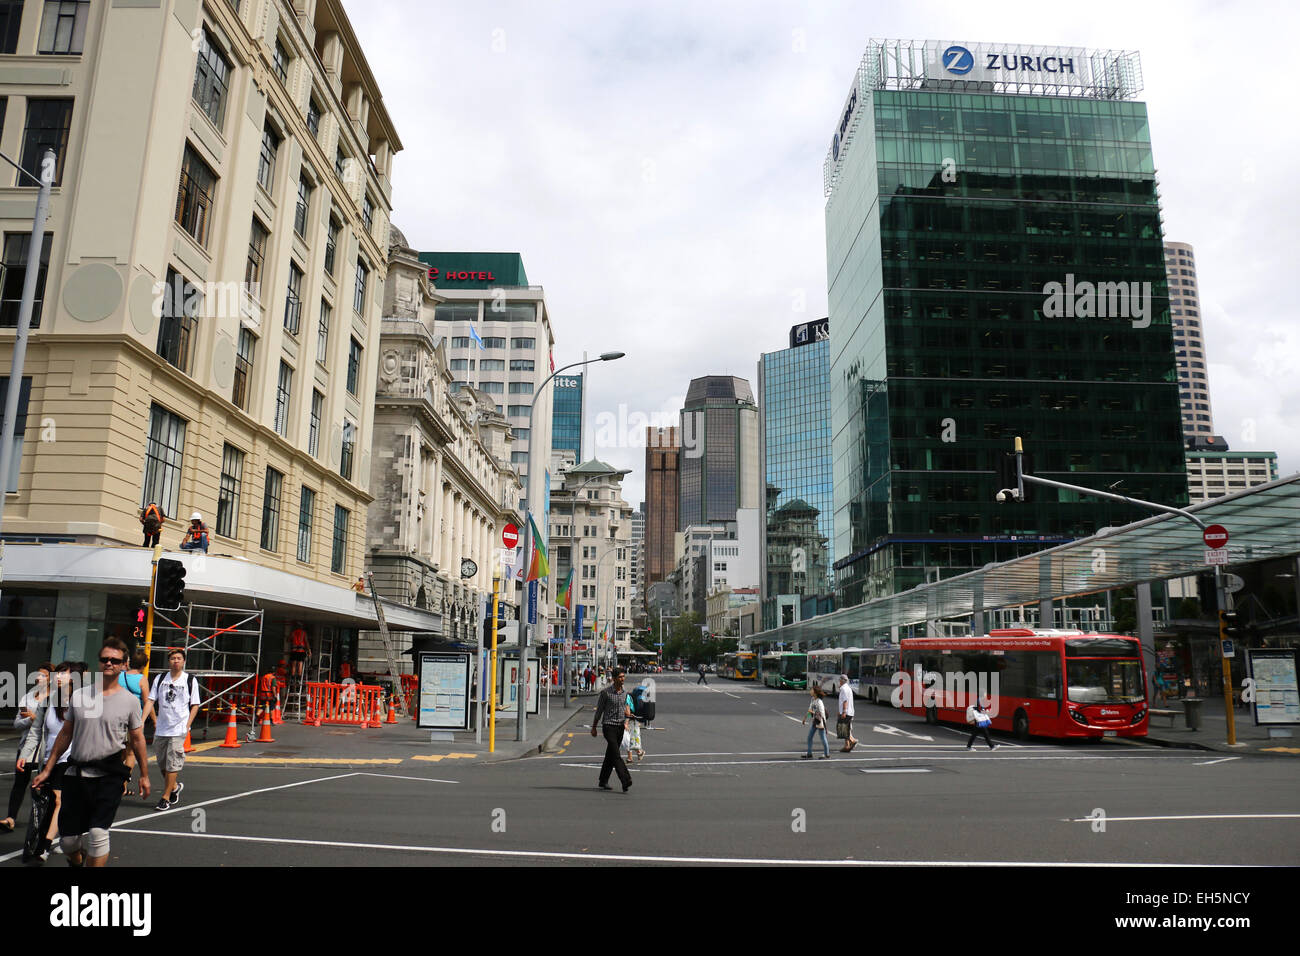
[(642, 709), (152, 519)]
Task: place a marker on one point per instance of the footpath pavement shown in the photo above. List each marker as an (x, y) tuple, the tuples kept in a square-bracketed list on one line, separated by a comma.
[(1164, 731)]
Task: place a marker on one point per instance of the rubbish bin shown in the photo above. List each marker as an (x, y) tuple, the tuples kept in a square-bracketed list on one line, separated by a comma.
[(1192, 712)]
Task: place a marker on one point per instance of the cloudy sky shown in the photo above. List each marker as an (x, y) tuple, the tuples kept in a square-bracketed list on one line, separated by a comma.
[(659, 167)]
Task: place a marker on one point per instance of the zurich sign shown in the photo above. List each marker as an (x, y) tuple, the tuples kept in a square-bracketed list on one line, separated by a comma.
[(958, 60)]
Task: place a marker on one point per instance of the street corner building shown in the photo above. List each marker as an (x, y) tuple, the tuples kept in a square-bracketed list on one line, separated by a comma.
[(995, 268), (207, 317)]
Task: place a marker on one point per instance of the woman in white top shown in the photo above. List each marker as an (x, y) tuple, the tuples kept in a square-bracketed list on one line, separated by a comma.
[(817, 712), (46, 724), (22, 723)]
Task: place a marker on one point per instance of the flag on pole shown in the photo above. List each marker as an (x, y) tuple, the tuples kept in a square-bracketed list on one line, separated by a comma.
[(551, 355), (473, 334), (565, 598), (540, 567)]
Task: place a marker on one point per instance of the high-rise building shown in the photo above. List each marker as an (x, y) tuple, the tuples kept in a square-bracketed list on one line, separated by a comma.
[(995, 269), (662, 461), (207, 323), (794, 402), (1189, 345), (719, 461), (566, 430), (636, 565), (1213, 474)]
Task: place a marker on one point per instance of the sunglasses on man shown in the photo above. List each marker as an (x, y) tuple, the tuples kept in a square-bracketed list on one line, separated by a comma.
[(115, 661)]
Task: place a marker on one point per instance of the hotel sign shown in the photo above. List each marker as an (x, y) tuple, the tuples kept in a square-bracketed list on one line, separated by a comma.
[(809, 333)]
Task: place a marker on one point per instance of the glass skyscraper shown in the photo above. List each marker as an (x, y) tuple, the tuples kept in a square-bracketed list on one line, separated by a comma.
[(794, 402), (566, 416), (984, 204)]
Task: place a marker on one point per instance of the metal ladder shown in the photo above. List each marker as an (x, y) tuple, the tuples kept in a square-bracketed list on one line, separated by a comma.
[(393, 668), (294, 703)]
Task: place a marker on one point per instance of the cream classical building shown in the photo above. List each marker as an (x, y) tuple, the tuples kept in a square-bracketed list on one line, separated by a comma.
[(591, 531), (209, 319), (441, 474)]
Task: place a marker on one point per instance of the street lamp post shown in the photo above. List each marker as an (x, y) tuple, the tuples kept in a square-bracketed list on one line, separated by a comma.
[(526, 631), (14, 392)]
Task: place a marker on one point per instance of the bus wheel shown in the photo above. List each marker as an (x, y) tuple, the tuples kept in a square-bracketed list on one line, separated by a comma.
[(1021, 725), (932, 715)]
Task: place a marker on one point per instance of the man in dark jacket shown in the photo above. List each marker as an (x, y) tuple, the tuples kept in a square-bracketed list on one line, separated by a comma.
[(611, 717)]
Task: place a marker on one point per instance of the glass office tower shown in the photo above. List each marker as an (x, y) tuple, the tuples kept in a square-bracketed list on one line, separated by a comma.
[(794, 402), (982, 209), (566, 417)]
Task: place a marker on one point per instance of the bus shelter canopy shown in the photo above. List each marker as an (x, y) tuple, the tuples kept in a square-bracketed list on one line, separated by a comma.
[(1262, 523)]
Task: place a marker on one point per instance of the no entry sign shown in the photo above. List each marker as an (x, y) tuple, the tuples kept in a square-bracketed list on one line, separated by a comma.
[(1216, 536), (510, 536)]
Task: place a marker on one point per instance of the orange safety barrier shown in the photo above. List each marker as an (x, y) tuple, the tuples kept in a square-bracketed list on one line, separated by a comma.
[(355, 704)]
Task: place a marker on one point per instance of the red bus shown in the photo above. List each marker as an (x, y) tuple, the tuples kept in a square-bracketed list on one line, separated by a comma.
[(1102, 674)]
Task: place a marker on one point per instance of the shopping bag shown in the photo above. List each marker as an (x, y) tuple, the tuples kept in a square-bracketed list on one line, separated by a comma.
[(38, 822), (842, 729)]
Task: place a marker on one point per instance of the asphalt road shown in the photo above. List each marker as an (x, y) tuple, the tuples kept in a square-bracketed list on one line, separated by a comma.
[(724, 782)]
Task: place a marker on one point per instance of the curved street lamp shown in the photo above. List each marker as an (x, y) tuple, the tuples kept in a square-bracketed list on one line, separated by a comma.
[(526, 632)]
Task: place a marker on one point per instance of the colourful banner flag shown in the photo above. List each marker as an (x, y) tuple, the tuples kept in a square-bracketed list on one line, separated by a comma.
[(565, 598), (540, 567)]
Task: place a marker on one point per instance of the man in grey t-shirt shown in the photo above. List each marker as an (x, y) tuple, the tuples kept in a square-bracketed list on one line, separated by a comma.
[(103, 719)]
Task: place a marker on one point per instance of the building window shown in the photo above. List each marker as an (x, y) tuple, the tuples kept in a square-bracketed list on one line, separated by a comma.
[(331, 243), (243, 368), (523, 343), (521, 365), (303, 208), (232, 478), (460, 341), (283, 392), (313, 116), (492, 388), (256, 257), (462, 365), (306, 505), (280, 58), (522, 433), (63, 28), (293, 301), (211, 79), (266, 160), (11, 18), (313, 431), (519, 458), (345, 455), (492, 365), (338, 557), (519, 410), (340, 163), (367, 212), (271, 510), (194, 196), (181, 303), (354, 366), (163, 457), (16, 245), (48, 123), (323, 332), (521, 388), (20, 424), (359, 292), (493, 342)]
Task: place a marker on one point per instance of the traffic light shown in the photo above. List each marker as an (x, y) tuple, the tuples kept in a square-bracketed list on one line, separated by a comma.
[(1230, 628), (169, 587), (487, 621), (1206, 594)]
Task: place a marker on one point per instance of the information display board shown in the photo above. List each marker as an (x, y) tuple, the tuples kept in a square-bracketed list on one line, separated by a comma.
[(508, 685), (1277, 694), (444, 690)]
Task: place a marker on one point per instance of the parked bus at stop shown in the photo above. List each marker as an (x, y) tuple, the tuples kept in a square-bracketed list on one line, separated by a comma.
[(1050, 683), (785, 670)]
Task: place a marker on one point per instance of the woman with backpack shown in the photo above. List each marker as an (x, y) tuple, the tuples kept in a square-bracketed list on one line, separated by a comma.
[(817, 712)]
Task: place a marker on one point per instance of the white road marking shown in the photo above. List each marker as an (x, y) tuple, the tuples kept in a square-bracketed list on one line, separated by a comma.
[(1199, 816), (1206, 763), (895, 770), (886, 729), (788, 717), (397, 776), (622, 858), (791, 759)]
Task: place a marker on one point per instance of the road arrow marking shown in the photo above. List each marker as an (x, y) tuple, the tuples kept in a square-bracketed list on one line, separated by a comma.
[(886, 729)]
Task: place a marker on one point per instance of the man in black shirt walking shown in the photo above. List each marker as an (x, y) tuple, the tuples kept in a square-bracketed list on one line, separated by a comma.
[(611, 717)]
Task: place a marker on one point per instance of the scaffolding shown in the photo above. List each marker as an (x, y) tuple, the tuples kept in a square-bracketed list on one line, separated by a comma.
[(223, 650)]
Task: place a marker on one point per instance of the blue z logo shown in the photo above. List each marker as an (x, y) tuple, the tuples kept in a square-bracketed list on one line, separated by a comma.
[(958, 59)]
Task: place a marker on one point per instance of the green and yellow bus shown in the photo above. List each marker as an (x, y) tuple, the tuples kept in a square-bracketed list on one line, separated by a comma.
[(741, 665), (785, 670)]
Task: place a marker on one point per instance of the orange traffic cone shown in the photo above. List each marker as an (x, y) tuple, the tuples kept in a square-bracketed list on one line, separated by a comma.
[(374, 715), (232, 731), (392, 712), (266, 737), (276, 717), (189, 746)]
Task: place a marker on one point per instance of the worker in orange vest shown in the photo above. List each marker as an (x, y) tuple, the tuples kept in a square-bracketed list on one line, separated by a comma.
[(152, 518), (298, 648)]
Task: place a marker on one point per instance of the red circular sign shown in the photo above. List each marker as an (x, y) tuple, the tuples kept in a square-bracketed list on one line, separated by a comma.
[(1216, 536), (510, 536)]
